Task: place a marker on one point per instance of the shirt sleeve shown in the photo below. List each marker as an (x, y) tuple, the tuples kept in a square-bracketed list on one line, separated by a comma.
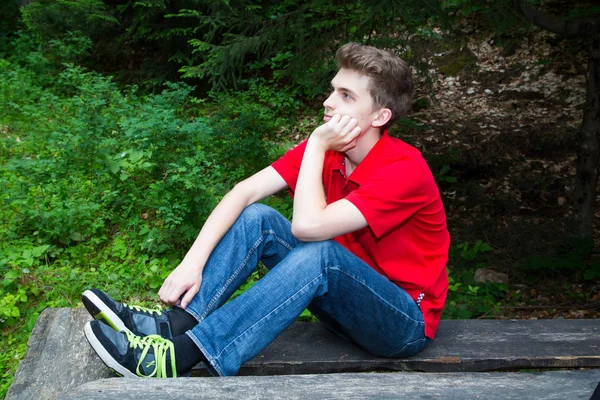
[(394, 194), (288, 165)]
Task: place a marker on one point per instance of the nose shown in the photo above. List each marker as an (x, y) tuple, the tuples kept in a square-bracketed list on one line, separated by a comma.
[(328, 103)]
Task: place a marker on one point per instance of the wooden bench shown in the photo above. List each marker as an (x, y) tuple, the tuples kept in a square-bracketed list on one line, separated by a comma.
[(307, 361)]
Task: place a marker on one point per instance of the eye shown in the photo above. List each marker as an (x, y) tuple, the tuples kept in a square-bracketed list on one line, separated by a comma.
[(346, 96)]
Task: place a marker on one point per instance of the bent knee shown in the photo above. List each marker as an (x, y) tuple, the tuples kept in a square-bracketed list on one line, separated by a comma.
[(318, 247), (256, 211)]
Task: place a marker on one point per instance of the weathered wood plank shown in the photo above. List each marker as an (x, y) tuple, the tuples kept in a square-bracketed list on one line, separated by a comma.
[(59, 357), (559, 385), (461, 345)]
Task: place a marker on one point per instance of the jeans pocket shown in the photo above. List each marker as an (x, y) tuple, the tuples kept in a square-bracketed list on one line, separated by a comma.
[(411, 348)]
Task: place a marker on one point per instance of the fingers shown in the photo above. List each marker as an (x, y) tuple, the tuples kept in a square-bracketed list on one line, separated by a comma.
[(350, 125), (161, 292), (349, 134), (344, 125), (169, 297), (349, 146), (335, 119), (355, 132), (341, 122), (170, 293), (189, 295), (338, 133)]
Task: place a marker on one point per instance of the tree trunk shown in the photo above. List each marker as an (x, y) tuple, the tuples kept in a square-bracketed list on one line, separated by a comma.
[(582, 222)]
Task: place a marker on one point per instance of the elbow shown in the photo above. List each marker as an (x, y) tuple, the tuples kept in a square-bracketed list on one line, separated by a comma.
[(305, 232), (240, 187), (243, 190)]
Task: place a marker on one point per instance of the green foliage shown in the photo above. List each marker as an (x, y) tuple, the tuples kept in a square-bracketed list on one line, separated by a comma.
[(583, 12), (498, 16), (245, 125), (9, 9), (52, 19), (108, 187), (224, 43), (420, 104), (407, 124), (281, 37), (442, 175), (44, 61), (466, 297), (572, 256), (443, 166)]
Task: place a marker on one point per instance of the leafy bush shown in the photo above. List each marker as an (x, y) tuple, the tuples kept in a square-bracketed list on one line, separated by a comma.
[(52, 19), (108, 187), (573, 255), (466, 297), (236, 41), (221, 45), (9, 9)]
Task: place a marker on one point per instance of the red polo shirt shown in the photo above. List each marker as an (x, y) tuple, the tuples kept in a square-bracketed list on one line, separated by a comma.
[(406, 239)]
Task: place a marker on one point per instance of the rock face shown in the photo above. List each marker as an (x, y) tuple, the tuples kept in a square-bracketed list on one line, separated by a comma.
[(489, 275), (59, 357)]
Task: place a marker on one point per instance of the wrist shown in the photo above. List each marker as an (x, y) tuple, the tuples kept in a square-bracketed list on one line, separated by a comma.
[(193, 261), (317, 143)]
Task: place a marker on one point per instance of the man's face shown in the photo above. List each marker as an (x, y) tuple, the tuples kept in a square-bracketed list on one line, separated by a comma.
[(350, 96)]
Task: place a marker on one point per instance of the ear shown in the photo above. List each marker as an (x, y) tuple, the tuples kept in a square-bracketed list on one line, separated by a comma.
[(382, 117)]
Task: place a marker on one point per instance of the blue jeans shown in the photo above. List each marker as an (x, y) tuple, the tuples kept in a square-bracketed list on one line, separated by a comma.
[(347, 295)]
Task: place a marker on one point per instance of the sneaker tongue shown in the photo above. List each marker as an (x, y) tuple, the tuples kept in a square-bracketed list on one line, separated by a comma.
[(148, 325), (164, 329)]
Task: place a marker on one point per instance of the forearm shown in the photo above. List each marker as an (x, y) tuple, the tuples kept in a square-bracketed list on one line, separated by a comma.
[(309, 196), (217, 224), (313, 218)]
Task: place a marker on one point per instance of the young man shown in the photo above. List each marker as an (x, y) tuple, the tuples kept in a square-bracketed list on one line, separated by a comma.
[(365, 252)]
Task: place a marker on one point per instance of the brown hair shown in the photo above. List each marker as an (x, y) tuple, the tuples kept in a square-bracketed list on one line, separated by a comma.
[(391, 85)]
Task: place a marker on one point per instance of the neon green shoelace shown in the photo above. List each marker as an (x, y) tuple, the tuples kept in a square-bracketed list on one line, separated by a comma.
[(143, 309), (160, 346)]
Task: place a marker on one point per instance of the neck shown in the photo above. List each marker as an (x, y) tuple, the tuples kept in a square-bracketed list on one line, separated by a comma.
[(364, 144)]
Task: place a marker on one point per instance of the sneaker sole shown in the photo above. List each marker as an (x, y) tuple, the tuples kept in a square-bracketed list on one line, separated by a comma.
[(100, 311), (104, 355)]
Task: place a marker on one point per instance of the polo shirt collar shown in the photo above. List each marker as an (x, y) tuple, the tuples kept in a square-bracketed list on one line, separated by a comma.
[(373, 160)]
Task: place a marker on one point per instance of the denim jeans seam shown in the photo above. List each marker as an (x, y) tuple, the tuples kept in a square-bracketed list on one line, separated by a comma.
[(193, 313), (272, 231), (223, 288), (377, 295), (280, 240), (295, 295), (393, 353), (241, 267), (211, 360)]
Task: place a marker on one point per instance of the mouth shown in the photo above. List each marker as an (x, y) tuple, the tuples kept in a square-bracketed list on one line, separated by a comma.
[(326, 117)]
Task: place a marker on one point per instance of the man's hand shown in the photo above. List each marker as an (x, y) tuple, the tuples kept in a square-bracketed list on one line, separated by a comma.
[(186, 278), (339, 133)]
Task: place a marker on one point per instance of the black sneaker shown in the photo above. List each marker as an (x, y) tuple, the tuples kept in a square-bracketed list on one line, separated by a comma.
[(132, 356), (121, 317)]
